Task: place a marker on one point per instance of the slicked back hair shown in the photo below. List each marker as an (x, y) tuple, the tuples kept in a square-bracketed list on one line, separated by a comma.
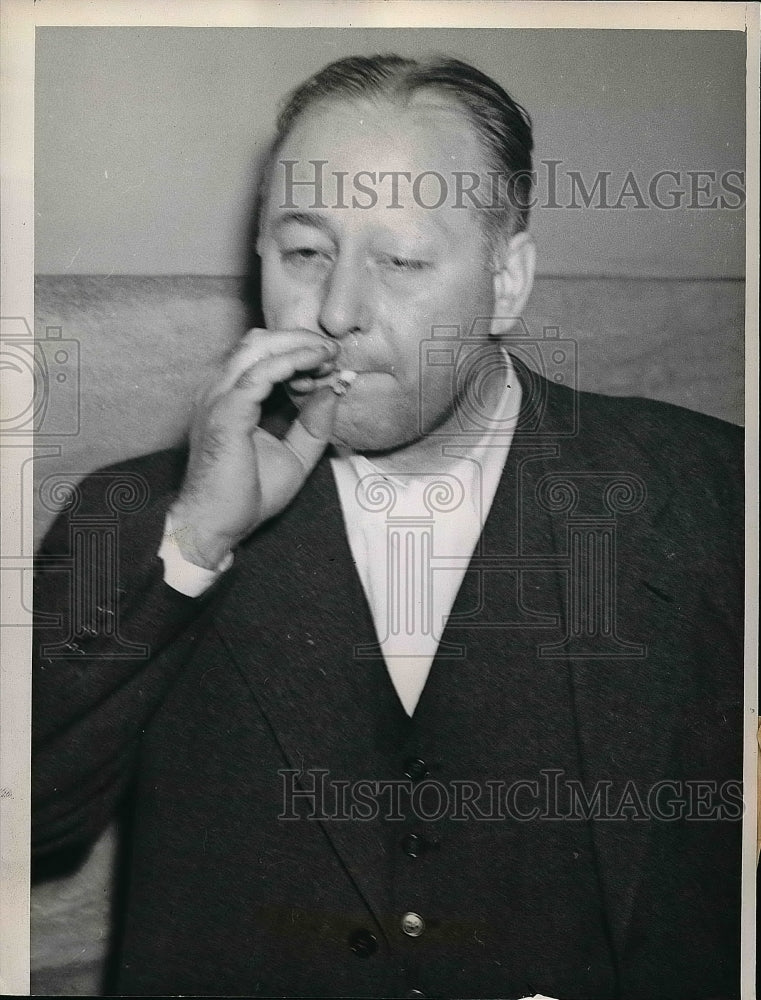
[(502, 126)]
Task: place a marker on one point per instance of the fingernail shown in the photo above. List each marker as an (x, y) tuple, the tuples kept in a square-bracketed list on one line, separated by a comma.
[(304, 384), (325, 367)]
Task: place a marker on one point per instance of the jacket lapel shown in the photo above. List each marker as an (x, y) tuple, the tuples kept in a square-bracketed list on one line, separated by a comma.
[(294, 616), (607, 539)]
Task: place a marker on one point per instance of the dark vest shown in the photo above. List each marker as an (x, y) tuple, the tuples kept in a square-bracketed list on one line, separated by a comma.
[(466, 830)]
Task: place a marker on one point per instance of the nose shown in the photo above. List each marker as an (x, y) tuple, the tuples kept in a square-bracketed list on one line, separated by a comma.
[(344, 309)]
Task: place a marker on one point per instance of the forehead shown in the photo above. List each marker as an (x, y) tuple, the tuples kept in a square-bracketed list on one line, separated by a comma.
[(380, 144), (419, 134)]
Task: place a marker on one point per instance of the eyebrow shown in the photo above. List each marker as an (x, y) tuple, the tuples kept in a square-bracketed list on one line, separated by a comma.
[(315, 220), (311, 219)]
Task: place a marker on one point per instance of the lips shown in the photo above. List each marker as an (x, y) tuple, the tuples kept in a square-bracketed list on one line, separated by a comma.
[(380, 368)]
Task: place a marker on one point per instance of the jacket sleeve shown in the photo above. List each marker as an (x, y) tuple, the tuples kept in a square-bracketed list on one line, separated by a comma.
[(109, 638)]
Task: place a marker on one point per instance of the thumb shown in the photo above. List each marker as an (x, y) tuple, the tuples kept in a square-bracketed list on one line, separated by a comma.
[(318, 413), (311, 430)]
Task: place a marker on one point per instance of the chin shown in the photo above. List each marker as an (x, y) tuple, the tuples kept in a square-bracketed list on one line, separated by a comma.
[(377, 416), (370, 441), (376, 437)]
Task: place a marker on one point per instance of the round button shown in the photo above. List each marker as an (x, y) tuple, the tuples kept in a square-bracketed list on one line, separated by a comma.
[(363, 943), (413, 845), (415, 768), (413, 924)]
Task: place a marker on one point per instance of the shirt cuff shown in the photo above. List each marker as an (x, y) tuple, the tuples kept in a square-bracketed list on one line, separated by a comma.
[(181, 574)]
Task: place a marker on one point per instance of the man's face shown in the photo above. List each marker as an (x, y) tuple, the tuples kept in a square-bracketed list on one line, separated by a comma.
[(377, 279)]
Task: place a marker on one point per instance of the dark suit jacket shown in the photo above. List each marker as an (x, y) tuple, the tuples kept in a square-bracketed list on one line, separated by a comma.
[(595, 648)]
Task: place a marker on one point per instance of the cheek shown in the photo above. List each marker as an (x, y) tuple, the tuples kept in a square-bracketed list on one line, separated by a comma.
[(428, 364), (377, 419), (427, 334), (437, 390), (271, 291), (285, 303)]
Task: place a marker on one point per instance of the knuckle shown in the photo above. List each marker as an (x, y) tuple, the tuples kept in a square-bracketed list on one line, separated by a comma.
[(216, 417), (246, 379)]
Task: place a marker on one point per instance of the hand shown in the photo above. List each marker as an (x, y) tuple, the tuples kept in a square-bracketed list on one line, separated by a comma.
[(238, 475)]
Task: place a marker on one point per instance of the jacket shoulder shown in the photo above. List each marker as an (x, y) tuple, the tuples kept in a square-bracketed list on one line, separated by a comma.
[(135, 492), (662, 435)]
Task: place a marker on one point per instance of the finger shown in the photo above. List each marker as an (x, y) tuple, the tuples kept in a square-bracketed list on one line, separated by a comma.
[(304, 446), (256, 383), (316, 352), (308, 383), (267, 343), (301, 385), (325, 368), (267, 340), (309, 434)]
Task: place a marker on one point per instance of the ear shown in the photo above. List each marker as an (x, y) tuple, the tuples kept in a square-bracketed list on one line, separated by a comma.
[(514, 264)]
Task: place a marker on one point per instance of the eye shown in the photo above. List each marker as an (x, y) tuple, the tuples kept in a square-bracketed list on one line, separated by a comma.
[(407, 264), (302, 255)]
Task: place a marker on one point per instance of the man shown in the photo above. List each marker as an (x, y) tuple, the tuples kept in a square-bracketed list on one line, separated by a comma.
[(423, 694)]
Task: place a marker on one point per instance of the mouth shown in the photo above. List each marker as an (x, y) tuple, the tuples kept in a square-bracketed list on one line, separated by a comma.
[(341, 381), (362, 375)]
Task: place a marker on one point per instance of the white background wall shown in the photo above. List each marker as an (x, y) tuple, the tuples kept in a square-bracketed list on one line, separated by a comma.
[(146, 137)]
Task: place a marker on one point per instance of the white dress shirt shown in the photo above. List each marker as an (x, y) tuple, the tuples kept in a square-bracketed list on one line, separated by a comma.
[(412, 536)]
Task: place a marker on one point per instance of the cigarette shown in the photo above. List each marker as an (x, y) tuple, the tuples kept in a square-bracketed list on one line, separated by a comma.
[(342, 381)]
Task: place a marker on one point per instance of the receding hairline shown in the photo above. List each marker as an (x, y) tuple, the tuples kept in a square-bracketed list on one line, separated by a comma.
[(427, 97), (500, 126), (444, 98)]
